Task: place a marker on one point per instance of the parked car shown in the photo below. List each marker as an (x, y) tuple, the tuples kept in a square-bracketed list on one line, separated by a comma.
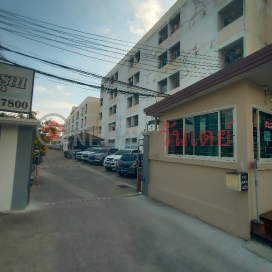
[(79, 155), (100, 155), (85, 156), (127, 164), (110, 161)]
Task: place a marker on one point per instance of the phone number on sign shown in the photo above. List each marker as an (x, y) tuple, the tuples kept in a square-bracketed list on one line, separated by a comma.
[(12, 103)]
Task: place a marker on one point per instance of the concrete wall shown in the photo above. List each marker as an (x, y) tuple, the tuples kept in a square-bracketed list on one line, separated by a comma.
[(258, 25), (22, 167), (8, 150), (15, 161), (197, 186)]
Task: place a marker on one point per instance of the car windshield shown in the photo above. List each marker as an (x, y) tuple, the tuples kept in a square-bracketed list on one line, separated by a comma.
[(101, 150), (121, 152), (90, 149), (129, 157)]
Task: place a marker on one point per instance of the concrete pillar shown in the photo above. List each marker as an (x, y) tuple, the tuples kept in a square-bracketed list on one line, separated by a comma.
[(8, 149), (146, 164), (15, 161)]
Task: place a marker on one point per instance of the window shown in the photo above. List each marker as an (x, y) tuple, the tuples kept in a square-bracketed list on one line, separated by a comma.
[(82, 111), (130, 81), (162, 86), (85, 108), (163, 60), (135, 99), (163, 34), (81, 123), (131, 62), (100, 115), (112, 110), (174, 81), (101, 102), (127, 145), (73, 119), (262, 129), (100, 130), (77, 115), (85, 121), (137, 78), (174, 52), (134, 122), (113, 94), (129, 102), (115, 76), (111, 142), (137, 58), (230, 13), (209, 135), (134, 143), (174, 23), (128, 122), (131, 143), (112, 126), (233, 52)]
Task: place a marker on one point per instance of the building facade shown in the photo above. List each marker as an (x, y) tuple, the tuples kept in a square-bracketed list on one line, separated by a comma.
[(193, 40), (220, 126), (84, 118)]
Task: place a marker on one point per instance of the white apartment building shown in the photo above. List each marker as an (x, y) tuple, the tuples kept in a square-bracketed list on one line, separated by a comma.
[(84, 118), (193, 40)]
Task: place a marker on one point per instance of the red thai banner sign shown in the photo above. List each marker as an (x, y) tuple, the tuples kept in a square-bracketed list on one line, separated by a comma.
[(268, 124)]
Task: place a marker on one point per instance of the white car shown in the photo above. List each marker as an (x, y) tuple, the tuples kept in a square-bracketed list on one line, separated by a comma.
[(79, 155), (85, 156), (110, 161)]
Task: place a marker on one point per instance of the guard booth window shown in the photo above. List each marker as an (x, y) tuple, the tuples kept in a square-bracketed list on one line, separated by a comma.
[(262, 130)]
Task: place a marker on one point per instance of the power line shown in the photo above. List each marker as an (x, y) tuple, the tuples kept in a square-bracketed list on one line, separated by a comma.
[(141, 91), (90, 34)]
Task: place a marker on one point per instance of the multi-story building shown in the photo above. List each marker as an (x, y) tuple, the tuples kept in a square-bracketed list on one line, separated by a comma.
[(84, 118), (193, 40)]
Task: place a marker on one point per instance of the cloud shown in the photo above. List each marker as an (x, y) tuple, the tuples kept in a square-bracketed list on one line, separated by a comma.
[(40, 89), (59, 87), (147, 14)]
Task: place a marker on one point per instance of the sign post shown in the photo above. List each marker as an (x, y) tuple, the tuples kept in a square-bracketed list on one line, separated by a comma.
[(16, 88)]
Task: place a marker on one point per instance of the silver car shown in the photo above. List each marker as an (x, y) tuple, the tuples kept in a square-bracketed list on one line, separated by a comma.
[(100, 155)]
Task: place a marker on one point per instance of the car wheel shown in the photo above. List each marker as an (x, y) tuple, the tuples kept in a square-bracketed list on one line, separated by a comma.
[(102, 161), (120, 174), (108, 168)]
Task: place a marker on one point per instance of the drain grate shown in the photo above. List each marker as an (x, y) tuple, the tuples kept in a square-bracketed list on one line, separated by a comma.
[(124, 186)]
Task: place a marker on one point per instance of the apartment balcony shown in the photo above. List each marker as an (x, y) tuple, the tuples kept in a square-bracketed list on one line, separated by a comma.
[(133, 70), (231, 30), (175, 36)]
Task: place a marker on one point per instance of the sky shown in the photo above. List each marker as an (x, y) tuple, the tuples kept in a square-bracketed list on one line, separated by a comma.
[(126, 20)]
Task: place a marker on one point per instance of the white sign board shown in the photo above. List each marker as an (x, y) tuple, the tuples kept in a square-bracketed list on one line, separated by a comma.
[(16, 88)]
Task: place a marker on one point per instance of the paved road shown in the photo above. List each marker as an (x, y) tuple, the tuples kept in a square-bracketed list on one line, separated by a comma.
[(79, 220)]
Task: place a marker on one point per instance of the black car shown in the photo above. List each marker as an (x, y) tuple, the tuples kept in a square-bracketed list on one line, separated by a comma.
[(127, 164)]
